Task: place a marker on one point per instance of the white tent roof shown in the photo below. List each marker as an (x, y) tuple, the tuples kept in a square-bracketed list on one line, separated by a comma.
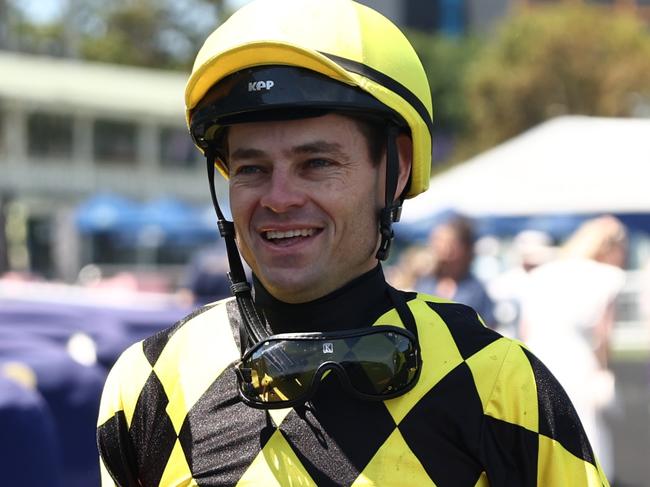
[(571, 164)]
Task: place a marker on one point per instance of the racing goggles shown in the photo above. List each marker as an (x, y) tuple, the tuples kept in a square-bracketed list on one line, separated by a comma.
[(284, 370)]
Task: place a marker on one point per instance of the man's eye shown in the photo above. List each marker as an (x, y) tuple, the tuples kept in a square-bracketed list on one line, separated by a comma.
[(248, 170), (319, 163)]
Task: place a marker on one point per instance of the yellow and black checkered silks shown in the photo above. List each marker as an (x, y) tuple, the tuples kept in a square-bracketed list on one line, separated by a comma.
[(342, 39), (484, 412)]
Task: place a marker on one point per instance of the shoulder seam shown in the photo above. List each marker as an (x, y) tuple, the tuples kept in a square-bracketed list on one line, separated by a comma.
[(511, 343), (489, 399)]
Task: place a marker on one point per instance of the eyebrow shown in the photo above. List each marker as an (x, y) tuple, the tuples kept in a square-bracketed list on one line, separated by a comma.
[(246, 153), (316, 147)]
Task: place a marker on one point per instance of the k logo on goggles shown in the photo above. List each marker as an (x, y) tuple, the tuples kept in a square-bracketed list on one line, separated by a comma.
[(284, 370)]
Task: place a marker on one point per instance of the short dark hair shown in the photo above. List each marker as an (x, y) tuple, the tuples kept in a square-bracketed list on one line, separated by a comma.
[(463, 229), (374, 131)]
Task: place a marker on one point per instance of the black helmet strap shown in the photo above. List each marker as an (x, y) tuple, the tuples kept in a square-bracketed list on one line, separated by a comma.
[(252, 329), (392, 209)]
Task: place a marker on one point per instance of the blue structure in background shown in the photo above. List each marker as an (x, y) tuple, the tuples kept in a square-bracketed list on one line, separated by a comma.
[(558, 226), (452, 17), (106, 212), (444, 16), (128, 220)]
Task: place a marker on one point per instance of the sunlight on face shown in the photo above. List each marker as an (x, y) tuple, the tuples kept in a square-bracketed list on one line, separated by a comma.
[(305, 198)]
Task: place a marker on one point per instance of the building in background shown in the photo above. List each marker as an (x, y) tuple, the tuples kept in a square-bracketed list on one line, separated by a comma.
[(448, 17), (71, 129), (458, 17)]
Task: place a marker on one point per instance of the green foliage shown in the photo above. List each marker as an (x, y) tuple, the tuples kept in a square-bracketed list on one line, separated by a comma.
[(445, 61), (129, 35), (557, 60), (149, 33), (38, 39), (152, 33)]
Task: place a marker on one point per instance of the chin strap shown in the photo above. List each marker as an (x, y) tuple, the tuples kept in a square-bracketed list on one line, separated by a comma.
[(392, 209), (252, 327)]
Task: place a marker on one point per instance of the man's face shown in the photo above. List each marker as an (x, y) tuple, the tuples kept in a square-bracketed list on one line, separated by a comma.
[(304, 196)]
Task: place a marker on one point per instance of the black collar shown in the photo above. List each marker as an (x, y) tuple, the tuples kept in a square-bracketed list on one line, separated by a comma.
[(357, 304)]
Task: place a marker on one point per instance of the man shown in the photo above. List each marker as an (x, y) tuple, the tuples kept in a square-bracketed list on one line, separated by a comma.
[(452, 245), (319, 113)]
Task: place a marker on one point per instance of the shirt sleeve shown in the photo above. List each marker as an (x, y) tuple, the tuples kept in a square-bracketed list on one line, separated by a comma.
[(532, 435), (117, 455), (106, 479)]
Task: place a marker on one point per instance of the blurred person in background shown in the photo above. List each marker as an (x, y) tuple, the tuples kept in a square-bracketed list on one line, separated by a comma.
[(567, 320), (529, 250), (452, 245), (30, 452), (413, 263), (205, 279)]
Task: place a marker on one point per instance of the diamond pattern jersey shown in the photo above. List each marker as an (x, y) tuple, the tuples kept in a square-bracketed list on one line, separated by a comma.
[(485, 411)]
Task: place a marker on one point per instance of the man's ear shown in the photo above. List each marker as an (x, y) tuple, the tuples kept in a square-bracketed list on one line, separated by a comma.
[(405, 152)]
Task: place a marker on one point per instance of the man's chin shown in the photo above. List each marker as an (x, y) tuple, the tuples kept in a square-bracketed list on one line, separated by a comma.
[(291, 287)]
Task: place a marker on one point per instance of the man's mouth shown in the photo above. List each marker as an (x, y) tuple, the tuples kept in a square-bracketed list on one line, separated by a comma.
[(287, 236)]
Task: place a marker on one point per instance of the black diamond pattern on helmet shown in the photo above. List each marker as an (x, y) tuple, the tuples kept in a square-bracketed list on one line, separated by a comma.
[(336, 435), (557, 417), (154, 345), (152, 431), (234, 433), (468, 332), (511, 452), (443, 430)]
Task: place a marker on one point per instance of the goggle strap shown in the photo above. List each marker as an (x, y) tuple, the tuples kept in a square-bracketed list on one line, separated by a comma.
[(253, 324), (403, 311), (251, 329)]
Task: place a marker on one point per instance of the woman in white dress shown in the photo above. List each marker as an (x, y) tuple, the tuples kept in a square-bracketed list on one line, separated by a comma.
[(567, 318)]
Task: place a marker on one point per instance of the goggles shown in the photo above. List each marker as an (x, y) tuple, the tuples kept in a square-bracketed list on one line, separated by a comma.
[(284, 370)]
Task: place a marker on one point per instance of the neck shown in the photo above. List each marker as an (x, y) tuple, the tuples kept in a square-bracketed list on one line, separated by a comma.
[(355, 305)]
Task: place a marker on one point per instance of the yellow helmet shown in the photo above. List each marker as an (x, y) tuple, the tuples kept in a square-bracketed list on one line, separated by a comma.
[(340, 42)]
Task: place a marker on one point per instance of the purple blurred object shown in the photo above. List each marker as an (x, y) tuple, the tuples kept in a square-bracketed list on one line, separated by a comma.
[(30, 450), (40, 334), (72, 392)]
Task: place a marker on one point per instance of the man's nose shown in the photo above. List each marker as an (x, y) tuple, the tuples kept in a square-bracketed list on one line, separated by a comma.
[(284, 192)]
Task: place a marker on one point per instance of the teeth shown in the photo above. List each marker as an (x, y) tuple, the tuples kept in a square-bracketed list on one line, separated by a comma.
[(305, 232)]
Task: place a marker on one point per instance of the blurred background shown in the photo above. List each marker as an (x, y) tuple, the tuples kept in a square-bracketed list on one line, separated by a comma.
[(542, 127)]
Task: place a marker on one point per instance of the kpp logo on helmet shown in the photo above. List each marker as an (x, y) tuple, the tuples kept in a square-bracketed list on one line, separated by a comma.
[(260, 85)]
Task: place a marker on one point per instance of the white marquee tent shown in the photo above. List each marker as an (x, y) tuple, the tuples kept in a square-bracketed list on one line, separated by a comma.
[(571, 164)]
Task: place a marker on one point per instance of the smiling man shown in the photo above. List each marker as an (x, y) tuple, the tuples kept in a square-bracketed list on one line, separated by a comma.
[(305, 196), (318, 113)]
